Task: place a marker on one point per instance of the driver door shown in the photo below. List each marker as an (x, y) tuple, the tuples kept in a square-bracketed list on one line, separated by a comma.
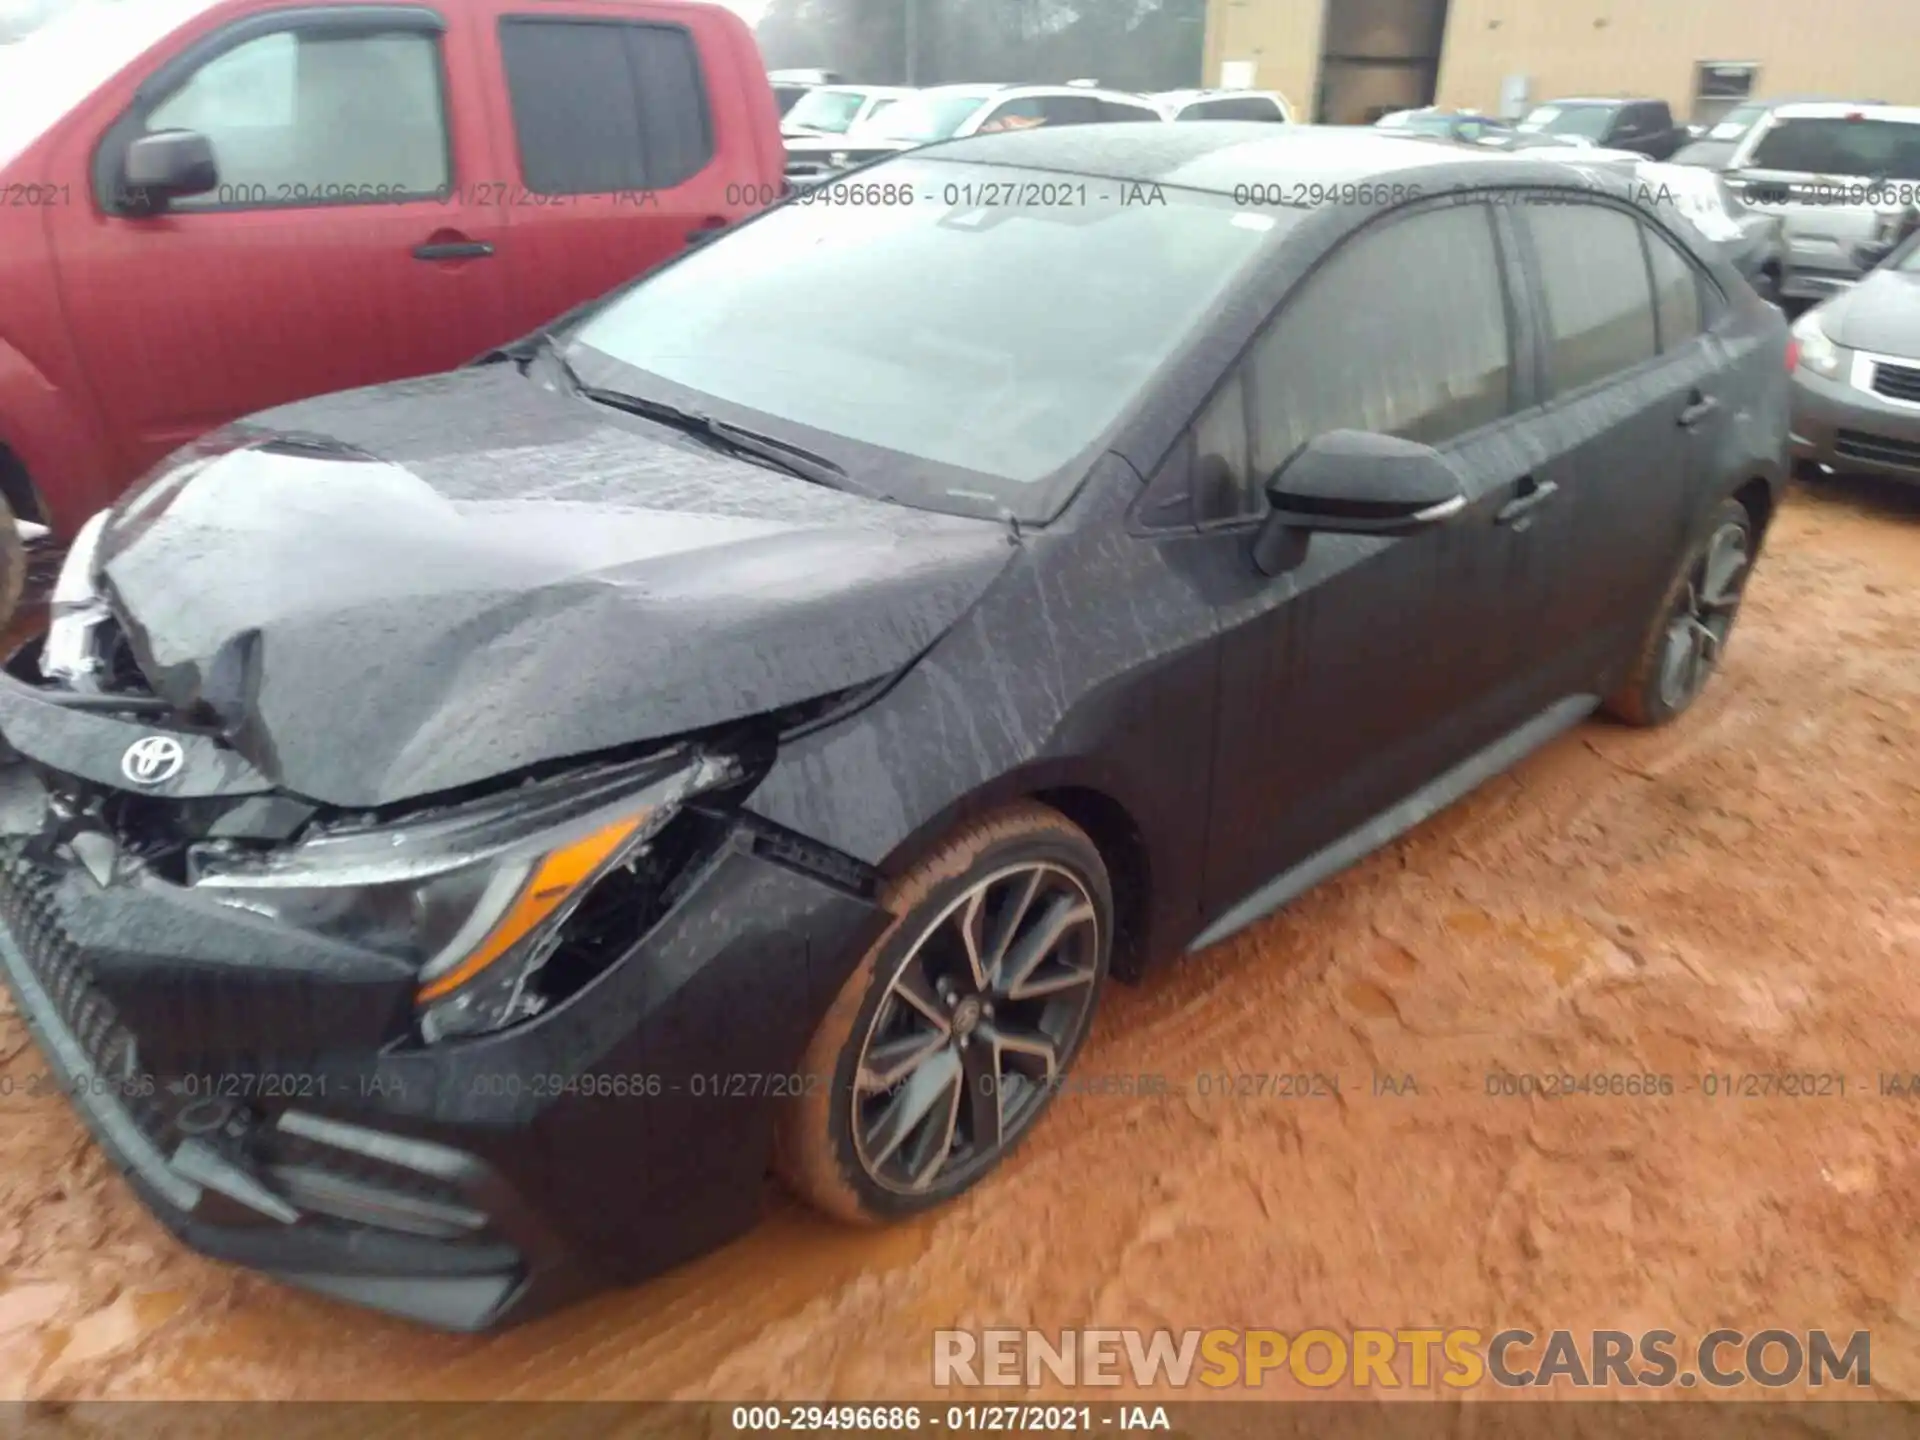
[(1363, 674)]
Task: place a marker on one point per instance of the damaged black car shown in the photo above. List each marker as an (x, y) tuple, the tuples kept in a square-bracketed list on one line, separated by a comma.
[(458, 838)]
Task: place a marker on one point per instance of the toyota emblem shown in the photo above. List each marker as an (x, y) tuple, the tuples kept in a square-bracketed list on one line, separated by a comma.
[(153, 760)]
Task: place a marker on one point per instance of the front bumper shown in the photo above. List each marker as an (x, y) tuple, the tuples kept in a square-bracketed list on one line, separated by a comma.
[(465, 1185), (1845, 425)]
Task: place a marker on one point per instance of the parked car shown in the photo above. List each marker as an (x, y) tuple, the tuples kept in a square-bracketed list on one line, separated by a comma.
[(1268, 105), (947, 112), (1752, 242), (790, 87), (506, 764), (1832, 172), (1713, 149), (288, 197), (1856, 380), (1620, 123), (836, 109), (1465, 127)]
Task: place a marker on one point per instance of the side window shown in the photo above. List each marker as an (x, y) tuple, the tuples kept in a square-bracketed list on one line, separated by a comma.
[(603, 107), (1402, 332), (1223, 483), (306, 118), (1119, 110), (1021, 114), (1238, 107), (1676, 292), (1070, 109), (1599, 304)]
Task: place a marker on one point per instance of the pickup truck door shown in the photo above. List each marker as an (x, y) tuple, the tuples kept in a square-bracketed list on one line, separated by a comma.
[(342, 246)]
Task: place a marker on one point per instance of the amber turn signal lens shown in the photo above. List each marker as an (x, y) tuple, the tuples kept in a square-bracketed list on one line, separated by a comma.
[(559, 875)]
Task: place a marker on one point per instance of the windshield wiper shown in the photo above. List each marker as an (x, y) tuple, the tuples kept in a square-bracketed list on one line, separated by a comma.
[(801, 463)]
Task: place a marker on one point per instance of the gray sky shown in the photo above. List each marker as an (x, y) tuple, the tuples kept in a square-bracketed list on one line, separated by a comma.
[(748, 10)]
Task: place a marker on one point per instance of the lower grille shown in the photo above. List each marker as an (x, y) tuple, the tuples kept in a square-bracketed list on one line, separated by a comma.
[(1897, 382), (1878, 449), (26, 906)]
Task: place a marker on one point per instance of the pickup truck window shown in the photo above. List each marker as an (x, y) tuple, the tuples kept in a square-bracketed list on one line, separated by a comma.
[(605, 107), (315, 118)]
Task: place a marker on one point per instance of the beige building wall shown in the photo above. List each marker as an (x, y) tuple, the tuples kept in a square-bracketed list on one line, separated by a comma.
[(1281, 37), (1650, 47), (1572, 47)]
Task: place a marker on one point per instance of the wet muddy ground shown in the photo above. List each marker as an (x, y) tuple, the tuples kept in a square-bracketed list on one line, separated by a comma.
[(1739, 894)]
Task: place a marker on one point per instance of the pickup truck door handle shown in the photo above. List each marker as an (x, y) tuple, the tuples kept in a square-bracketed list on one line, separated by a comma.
[(1699, 407), (452, 250), (1531, 497)]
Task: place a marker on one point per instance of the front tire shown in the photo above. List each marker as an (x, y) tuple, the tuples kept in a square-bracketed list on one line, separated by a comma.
[(950, 1037), (1689, 633)]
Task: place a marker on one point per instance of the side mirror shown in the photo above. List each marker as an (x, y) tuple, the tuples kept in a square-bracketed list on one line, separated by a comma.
[(1350, 482), (168, 166)]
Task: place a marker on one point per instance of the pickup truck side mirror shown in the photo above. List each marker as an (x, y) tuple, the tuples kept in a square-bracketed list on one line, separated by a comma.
[(167, 166), (1351, 482)]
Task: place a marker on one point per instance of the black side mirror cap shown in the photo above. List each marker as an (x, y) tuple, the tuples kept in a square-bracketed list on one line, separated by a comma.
[(167, 166), (1352, 482)]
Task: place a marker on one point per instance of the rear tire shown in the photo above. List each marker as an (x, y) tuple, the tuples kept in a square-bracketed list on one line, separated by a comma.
[(1689, 631), (948, 1041)]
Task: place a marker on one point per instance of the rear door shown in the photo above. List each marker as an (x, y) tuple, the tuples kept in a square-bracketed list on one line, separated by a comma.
[(628, 135), (1629, 409), (346, 242)]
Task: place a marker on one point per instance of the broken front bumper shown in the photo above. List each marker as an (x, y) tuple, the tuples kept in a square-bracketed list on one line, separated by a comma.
[(274, 1116)]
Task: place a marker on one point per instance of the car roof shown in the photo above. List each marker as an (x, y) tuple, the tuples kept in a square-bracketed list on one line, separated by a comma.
[(1604, 100), (850, 89), (1840, 109), (1219, 155)]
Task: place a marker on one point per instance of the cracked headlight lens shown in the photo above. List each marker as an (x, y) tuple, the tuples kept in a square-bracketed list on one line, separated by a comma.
[(476, 896)]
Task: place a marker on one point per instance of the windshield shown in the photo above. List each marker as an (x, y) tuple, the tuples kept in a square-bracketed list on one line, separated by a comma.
[(952, 353), (1736, 122), (1587, 122), (1863, 149), (828, 110), (923, 118), (81, 46)]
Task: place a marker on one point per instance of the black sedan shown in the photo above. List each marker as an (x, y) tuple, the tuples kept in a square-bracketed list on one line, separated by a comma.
[(1856, 381), (457, 836)]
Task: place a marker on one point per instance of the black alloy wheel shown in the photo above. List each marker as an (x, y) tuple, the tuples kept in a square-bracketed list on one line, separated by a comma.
[(952, 1035)]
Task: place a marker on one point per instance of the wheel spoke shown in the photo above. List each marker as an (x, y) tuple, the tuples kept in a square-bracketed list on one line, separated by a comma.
[(889, 1062), (1726, 562), (1676, 663), (1066, 913), (1006, 925), (986, 1098), (1024, 1052), (970, 920), (929, 1095), (935, 1145), (915, 987)]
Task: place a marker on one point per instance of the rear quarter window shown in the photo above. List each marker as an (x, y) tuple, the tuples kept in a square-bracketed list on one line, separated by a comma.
[(602, 107)]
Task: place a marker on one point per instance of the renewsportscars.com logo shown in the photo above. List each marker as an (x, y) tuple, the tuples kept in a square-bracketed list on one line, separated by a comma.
[(1413, 1359)]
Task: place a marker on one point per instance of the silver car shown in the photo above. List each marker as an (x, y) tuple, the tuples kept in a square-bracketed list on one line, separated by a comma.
[(1831, 172)]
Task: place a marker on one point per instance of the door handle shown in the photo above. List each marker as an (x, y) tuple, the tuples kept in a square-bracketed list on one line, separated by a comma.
[(1700, 408), (452, 250), (1531, 497)]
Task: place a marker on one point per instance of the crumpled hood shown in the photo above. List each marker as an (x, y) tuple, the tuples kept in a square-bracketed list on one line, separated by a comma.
[(400, 591), (1881, 313)]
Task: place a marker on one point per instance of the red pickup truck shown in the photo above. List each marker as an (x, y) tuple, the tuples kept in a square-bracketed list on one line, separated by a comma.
[(209, 207)]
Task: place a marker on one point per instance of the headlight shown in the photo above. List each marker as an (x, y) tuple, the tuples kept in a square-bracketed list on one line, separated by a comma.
[(76, 609), (476, 895), (1816, 348)]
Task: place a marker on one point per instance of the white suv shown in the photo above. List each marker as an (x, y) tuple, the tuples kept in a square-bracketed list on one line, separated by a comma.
[(1831, 172)]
